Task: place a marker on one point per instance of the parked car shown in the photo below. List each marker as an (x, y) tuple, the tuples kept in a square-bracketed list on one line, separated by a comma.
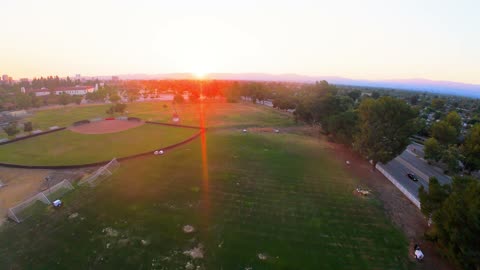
[(412, 176)]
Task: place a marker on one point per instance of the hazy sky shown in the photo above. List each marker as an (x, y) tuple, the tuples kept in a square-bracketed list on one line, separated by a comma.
[(365, 39)]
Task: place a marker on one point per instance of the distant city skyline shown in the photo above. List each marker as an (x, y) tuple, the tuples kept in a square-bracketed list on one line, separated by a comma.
[(368, 40)]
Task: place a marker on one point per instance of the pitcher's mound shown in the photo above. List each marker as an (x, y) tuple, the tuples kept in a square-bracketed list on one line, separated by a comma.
[(106, 126)]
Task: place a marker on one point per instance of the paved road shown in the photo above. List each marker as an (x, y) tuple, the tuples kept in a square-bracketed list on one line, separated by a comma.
[(411, 161)]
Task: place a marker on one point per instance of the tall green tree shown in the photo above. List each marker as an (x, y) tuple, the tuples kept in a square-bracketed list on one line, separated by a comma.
[(385, 126), (451, 157), (432, 199), (444, 133), (433, 149), (355, 94), (454, 120), (343, 126), (471, 148)]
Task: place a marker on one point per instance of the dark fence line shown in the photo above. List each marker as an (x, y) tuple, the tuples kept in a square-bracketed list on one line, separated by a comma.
[(172, 125), (100, 163), (31, 136)]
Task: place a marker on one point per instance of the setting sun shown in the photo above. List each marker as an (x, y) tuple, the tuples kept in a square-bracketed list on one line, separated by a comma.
[(199, 74)]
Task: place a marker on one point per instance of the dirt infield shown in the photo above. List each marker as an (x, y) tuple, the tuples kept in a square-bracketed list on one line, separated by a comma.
[(105, 126)]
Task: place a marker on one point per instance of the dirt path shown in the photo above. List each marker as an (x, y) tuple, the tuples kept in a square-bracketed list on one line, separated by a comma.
[(401, 211)]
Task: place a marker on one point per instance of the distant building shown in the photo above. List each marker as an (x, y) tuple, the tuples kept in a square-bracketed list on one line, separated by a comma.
[(24, 80), (78, 76), (115, 78), (75, 90), (5, 77), (40, 92)]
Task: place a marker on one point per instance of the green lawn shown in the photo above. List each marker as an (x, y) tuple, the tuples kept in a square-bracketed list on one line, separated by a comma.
[(218, 114), (279, 195), (67, 147)]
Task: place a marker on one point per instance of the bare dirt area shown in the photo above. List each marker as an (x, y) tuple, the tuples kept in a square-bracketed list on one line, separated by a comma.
[(19, 185), (106, 126), (402, 212)]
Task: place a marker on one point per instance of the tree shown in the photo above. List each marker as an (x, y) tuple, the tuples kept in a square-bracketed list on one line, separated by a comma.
[(343, 126), (451, 157), (77, 100), (118, 107), (27, 126), (432, 199), (438, 104), (355, 94), (11, 129), (114, 98), (194, 96), (234, 92), (433, 149), (455, 212), (23, 101), (414, 99), (375, 95), (471, 148), (444, 133), (385, 126), (64, 99), (454, 120), (178, 98)]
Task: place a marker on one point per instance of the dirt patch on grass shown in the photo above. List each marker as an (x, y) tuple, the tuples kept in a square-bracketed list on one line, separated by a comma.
[(105, 126), (401, 211)]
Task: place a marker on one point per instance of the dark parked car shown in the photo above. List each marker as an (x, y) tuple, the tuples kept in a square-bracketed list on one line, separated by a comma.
[(412, 176)]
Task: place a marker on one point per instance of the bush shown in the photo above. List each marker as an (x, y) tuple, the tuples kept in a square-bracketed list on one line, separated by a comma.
[(27, 127), (119, 107), (11, 129)]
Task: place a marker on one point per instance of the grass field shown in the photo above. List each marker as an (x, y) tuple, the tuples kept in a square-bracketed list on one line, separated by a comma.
[(67, 148), (218, 114), (269, 201)]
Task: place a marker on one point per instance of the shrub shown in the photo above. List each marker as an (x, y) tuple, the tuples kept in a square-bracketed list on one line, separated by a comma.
[(11, 129), (27, 127)]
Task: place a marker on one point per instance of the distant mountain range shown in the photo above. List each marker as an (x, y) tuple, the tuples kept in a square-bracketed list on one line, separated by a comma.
[(441, 87)]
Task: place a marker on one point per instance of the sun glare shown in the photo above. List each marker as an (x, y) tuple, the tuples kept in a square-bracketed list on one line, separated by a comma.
[(199, 74)]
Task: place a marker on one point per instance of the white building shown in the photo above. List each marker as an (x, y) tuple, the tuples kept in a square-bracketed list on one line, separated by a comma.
[(75, 90), (40, 92)]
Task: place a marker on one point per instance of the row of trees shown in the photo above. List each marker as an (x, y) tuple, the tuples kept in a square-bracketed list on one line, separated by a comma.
[(378, 128)]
